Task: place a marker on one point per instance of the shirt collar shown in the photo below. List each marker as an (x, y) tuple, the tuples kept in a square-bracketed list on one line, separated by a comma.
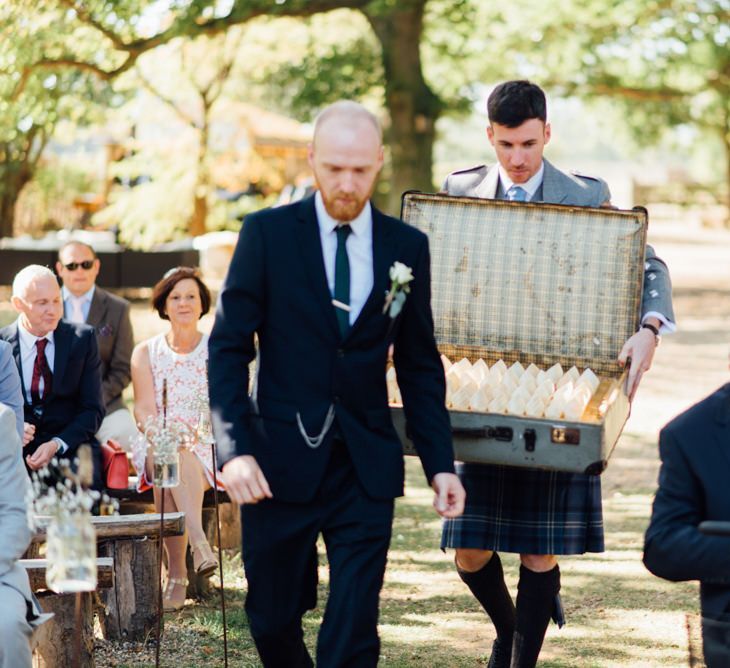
[(27, 339), (530, 186), (359, 225), (85, 298)]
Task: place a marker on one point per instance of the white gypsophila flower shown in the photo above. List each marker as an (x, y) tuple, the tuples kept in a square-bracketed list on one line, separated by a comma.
[(401, 273)]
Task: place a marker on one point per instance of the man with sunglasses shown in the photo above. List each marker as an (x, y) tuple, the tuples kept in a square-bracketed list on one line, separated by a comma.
[(86, 303)]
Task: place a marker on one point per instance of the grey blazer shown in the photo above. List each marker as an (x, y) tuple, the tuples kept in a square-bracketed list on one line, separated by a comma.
[(575, 190), (11, 393), (14, 530), (109, 316)]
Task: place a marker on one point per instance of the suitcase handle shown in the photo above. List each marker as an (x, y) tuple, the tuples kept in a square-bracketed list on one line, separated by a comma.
[(487, 432)]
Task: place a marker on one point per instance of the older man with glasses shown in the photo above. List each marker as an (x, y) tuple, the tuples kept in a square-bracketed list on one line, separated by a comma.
[(86, 303)]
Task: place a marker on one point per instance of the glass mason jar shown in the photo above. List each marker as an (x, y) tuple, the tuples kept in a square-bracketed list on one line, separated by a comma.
[(166, 467), (71, 553)]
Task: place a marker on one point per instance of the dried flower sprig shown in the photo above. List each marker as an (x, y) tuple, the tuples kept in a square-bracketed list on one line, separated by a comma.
[(60, 491)]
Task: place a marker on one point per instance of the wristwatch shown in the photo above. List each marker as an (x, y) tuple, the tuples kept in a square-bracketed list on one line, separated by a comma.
[(654, 330)]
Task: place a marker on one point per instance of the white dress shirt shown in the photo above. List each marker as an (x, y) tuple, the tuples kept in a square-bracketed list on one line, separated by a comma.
[(69, 300), (28, 352), (359, 246), (530, 186)]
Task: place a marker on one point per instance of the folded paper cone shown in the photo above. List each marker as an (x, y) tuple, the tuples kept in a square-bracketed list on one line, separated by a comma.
[(460, 399), (497, 405), (446, 362), (555, 372), (499, 367), (535, 407), (533, 370), (516, 406), (590, 378), (528, 382), (480, 401)]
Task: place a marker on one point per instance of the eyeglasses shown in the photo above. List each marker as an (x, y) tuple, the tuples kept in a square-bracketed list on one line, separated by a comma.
[(73, 266)]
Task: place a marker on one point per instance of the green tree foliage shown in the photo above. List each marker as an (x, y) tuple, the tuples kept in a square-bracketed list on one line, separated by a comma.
[(667, 62), (129, 28), (30, 112)]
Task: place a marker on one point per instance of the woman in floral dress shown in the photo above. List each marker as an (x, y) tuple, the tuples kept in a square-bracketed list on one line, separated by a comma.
[(169, 373)]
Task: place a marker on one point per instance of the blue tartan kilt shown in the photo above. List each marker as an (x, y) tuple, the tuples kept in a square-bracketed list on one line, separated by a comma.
[(527, 511)]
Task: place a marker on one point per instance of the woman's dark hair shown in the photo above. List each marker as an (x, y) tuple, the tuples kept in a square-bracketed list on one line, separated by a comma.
[(165, 285)]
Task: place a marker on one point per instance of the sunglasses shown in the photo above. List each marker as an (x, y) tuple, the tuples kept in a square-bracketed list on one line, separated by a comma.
[(73, 266)]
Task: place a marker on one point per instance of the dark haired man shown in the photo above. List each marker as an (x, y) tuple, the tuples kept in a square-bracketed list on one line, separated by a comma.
[(84, 302), (537, 514)]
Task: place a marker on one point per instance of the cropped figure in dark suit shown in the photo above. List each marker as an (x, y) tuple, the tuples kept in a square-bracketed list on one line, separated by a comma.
[(85, 302), (315, 451), (693, 487), (60, 373), (537, 514)]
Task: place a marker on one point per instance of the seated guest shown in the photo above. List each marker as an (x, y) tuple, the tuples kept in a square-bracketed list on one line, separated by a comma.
[(85, 302), (20, 611), (10, 393), (59, 370), (693, 487), (178, 361)]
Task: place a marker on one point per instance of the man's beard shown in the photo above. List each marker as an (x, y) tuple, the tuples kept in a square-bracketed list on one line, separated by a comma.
[(345, 208)]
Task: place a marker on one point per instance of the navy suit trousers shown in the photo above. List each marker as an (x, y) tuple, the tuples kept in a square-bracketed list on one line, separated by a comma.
[(280, 559)]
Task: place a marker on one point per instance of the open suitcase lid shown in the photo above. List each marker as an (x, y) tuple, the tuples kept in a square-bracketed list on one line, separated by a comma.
[(541, 283)]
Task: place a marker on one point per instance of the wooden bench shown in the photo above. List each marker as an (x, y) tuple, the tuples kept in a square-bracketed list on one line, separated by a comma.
[(132, 501), (128, 608), (56, 640)]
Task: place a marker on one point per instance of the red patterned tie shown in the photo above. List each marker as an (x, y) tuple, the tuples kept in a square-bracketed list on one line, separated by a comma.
[(40, 370)]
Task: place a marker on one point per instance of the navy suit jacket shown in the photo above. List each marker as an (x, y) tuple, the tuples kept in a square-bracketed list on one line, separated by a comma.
[(74, 409), (694, 485), (276, 289)]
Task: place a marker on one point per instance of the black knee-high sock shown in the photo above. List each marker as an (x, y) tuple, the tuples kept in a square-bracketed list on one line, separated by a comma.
[(490, 590), (536, 594)]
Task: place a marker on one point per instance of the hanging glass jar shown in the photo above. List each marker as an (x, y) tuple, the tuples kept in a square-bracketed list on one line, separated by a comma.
[(71, 552), (166, 460)]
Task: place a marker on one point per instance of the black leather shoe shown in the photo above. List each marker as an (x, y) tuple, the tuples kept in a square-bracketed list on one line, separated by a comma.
[(501, 655)]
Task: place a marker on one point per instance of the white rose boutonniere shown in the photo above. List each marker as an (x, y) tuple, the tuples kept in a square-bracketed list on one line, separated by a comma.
[(400, 276)]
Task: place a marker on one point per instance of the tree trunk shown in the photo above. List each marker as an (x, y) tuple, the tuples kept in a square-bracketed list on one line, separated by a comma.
[(13, 177), (197, 224), (413, 107), (57, 639), (130, 606)]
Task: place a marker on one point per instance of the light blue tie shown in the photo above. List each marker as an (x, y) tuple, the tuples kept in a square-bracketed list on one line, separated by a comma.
[(517, 194)]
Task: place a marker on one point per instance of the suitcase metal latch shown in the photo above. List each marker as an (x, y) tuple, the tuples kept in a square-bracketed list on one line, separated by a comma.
[(565, 435)]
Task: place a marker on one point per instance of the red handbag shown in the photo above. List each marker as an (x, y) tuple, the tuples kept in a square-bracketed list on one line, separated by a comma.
[(116, 465)]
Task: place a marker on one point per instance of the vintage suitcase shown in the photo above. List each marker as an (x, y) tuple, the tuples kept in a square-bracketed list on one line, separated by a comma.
[(537, 283)]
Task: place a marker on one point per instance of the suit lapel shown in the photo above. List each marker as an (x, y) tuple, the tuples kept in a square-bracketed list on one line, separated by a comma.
[(97, 309), (62, 345), (14, 341), (554, 187), (307, 231), (383, 257), (487, 189)]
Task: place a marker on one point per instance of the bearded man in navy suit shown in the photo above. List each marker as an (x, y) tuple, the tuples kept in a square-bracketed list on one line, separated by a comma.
[(314, 450)]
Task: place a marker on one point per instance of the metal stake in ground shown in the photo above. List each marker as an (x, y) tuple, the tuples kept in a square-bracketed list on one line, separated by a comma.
[(220, 552), (159, 581)]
